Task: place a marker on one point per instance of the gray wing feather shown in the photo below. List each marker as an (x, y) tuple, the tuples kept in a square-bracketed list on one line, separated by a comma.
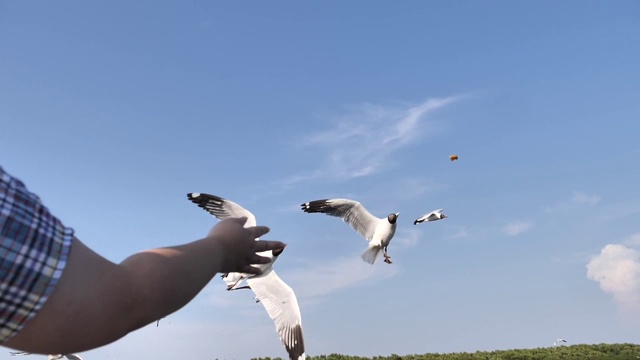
[(282, 306), (221, 208), (351, 212)]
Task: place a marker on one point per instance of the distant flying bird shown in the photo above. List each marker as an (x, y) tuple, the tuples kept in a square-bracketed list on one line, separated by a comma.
[(558, 341), (432, 216), (378, 232), (453, 157), (275, 295)]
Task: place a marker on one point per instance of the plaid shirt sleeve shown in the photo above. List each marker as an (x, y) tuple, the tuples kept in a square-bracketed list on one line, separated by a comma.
[(34, 248)]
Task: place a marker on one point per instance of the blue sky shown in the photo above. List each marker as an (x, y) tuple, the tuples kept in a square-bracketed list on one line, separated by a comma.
[(112, 112)]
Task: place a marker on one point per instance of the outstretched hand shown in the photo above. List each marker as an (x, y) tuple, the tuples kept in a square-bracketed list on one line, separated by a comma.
[(240, 245)]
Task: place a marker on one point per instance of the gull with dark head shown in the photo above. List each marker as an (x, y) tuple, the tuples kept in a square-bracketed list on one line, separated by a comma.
[(377, 231), (222, 209), (275, 295), (431, 216)]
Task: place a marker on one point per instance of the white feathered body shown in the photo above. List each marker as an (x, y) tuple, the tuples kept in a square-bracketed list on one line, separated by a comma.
[(435, 215), (378, 232)]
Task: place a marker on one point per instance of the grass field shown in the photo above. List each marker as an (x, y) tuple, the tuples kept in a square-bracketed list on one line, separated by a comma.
[(573, 352)]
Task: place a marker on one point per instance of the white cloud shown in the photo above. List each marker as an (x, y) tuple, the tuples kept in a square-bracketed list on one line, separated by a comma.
[(362, 141), (324, 278), (581, 198), (516, 228), (617, 269)]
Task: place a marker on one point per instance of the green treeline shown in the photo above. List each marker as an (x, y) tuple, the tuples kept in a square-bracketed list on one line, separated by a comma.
[(573, 352)]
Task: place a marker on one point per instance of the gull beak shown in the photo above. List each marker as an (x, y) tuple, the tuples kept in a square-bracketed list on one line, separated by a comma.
[(277, 252), (397, 214)]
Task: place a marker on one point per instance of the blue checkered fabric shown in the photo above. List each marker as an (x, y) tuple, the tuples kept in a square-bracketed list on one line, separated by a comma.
[(34, 248)]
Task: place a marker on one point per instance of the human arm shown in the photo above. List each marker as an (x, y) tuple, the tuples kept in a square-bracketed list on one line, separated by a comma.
[(97, 302)]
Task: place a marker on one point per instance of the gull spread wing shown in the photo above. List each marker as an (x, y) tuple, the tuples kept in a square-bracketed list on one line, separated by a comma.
[(431, 215), (73, 357), (351, 212), (221, 208), (282, 306)]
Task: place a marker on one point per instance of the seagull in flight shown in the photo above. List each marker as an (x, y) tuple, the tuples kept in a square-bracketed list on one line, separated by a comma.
[(378, 232), (275, 295), (431, 216), (558, 341), (221, 209)]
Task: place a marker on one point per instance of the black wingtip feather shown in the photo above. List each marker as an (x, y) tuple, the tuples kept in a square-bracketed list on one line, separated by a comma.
[(297, 349), (207, 202), (202, 199), (316, 206)]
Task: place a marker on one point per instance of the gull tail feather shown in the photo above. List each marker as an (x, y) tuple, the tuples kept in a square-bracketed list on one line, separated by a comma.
[(371, 254)]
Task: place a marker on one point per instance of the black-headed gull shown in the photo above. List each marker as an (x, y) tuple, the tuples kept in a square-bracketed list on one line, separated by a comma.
[(275, 295), (221, 209), (378, 232), (431, 216), (558, 342)]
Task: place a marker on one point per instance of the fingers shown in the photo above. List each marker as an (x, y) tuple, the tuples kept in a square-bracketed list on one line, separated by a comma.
[(265, 245), (251, 270), (258, 231)]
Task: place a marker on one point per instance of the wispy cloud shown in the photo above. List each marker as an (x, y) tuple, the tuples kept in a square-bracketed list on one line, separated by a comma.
[(191, 338), (412, 187), (362, 141), (581, 198), (457, 232), (632, 239), (578, 257), (407, 238), (577, 199), (516, 228), (216, 294), (312, 280), (617, 270), (321, 279)]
